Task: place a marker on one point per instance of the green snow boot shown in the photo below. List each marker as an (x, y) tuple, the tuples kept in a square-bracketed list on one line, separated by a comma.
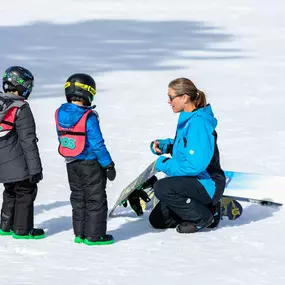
[(79, 239), (32, 234), (4, 233), (103, 240)]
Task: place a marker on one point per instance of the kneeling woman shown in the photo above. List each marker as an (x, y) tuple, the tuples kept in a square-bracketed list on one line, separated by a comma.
[(190, 194)]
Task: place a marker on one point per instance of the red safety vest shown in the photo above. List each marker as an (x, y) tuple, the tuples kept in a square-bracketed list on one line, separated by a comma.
[(8, 121), (72, 140)]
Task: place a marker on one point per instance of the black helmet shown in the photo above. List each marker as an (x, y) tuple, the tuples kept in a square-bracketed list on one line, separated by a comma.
[(17, 78), (80, 86)]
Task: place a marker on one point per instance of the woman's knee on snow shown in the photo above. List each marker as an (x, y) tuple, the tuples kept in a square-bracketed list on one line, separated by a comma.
[(161, 218)]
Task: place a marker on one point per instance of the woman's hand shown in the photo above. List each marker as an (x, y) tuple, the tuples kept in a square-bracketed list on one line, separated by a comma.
[(156, 148)]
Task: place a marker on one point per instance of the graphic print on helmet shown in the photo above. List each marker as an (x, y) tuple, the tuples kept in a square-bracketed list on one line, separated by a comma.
[(20, 79)]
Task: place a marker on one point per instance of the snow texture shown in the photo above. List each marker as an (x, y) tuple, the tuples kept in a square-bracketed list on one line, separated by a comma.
[(232, 50)]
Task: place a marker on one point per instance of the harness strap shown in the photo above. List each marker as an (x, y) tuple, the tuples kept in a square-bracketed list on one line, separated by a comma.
[(7, 123), (71, 133)]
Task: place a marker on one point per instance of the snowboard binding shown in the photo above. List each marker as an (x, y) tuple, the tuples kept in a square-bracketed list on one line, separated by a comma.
[(231, 208), (139, 196)]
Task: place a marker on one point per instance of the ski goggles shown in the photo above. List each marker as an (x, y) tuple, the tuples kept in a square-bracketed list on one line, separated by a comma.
[(16, 80), (86, 87)]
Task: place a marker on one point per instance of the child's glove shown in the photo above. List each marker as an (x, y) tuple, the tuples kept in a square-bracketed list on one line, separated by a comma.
[(36, 178), (110, 171)]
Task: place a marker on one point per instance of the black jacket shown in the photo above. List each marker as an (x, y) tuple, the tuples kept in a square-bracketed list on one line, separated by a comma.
[(19, 154)]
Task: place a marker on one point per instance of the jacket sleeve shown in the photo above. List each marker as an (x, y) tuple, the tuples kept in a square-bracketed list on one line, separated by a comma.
[(96, 141), (26, 130), (194, 153), (164, 145)]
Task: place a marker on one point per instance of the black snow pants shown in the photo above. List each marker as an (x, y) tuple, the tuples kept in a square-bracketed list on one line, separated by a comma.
[(182, 198), (17, 211), (88, 198)]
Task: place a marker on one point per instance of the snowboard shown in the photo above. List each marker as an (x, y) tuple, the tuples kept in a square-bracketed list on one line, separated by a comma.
[(262, 189), (135, 184), (230, 208)]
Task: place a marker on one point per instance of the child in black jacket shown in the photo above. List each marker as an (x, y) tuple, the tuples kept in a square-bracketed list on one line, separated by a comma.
[(20, 163)]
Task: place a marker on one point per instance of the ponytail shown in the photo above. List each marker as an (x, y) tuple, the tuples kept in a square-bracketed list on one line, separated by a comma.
[(200, 101)]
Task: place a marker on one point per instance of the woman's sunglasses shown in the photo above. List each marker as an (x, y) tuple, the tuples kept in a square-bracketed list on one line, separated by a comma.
[(173, 97)]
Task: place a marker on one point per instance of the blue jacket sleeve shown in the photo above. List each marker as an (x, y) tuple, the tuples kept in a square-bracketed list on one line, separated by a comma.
[(164, 145), (96, 141), (194, 156)]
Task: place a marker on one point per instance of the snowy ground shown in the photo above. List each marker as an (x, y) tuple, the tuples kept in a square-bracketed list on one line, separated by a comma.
[(232, 51)]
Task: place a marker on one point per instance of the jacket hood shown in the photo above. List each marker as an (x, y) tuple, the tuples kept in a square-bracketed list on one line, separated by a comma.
[(69, 114), (206, 113), (7, 101), (11, 96)]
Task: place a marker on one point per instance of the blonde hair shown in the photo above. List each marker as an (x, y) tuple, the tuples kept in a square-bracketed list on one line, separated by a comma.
[(186, 86)]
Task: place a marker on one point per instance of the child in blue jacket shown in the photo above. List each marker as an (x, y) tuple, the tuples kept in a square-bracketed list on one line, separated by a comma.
[(88, 161)]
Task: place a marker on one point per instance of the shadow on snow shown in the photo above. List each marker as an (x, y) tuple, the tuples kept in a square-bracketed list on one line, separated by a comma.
[(55, 51), (138, 226)]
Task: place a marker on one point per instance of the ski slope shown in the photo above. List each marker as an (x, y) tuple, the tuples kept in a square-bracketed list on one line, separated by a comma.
[(234, 51)]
